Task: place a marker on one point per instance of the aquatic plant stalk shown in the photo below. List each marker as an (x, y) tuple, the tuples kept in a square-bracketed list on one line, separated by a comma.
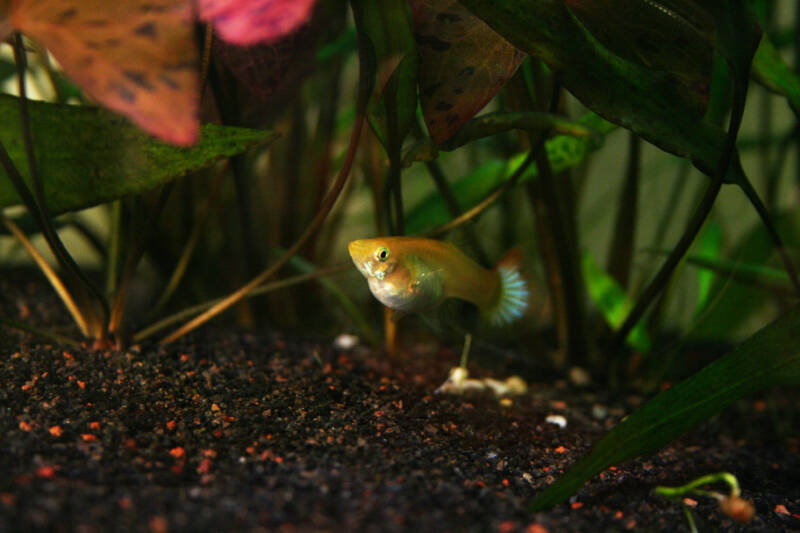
[(52, 276), (365, 86)]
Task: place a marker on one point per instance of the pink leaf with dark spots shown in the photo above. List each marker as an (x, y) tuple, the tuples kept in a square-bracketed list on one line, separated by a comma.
[(136, 57), (462, 64), (248, 22)]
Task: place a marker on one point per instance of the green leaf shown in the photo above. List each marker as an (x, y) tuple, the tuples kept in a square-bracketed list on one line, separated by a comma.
[(386, 27), (709, 247), (675, 36), (772, 72), (7, 69), (613, 302), (88, 156), (563, 151), (770, 358), (648, 101)]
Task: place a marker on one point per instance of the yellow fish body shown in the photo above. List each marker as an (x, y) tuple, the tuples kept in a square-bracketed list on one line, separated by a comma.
[(413, 274)]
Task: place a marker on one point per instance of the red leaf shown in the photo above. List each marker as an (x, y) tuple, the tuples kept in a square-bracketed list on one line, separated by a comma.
[(247, 22), (462, 64), (137, 57)]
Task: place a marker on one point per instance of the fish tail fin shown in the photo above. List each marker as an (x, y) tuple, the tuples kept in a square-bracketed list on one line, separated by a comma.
[(513, 296)]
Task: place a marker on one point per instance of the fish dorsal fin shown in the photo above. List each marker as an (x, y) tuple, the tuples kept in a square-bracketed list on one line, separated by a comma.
[(513, 296)]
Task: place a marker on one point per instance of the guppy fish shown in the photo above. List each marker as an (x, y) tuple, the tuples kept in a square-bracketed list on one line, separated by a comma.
[(413, 274)]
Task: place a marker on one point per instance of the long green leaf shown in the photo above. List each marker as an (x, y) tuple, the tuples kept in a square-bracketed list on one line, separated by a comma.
[(772, 72), (770, 358), (709, 247), (88, 156)]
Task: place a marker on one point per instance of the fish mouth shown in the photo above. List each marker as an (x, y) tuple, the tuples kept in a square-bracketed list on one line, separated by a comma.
[(360, 253)]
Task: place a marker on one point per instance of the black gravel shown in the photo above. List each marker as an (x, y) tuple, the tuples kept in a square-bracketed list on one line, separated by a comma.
[(233, 432)]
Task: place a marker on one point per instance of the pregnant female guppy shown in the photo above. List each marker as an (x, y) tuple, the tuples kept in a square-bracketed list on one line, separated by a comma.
[(413, 274)]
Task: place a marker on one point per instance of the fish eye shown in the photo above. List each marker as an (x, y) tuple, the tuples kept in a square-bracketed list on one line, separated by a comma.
[(382, 254)]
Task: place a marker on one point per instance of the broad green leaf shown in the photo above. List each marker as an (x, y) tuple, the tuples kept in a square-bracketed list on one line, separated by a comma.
[(675, 36), (708, 246), (563, 151), (612, 301), (769, 358), (87, 156), (386, 27), (772, 72), (647, 101), (462, 64)]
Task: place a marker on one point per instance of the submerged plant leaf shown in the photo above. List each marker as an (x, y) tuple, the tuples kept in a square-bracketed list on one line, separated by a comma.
[(709, 247), (612, 301), (734, 303), (137, 57), (675, 36), (772, 72), (645, 100), (248, 22), (564, 151), (88, 156), (385, 26), (768, 359), (462, 64)]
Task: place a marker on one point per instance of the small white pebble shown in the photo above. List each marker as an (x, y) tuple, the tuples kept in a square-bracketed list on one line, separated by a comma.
[(579, 376), (599, 411), (345, 341), (558, 420)]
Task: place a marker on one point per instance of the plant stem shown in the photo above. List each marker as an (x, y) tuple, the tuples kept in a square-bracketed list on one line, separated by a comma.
[(52, 276), (190, 246), (132, 261), (263, 289), (41, 213), (620, 256), (486, 202), (40, 332), (365, 88)]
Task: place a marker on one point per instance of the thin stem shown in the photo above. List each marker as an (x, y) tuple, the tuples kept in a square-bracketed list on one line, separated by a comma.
[(690, 519), (189, 247), (40, 332), (435, 171), (672, 261), (134, 256), (620, 256), (263, 289), (43, 216), (51, 275), (465, 350), (693, 227), (486, 202), (114, 247), (208, 39), (365, 88)]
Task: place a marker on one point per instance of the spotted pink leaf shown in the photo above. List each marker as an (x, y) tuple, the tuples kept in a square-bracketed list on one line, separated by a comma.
[(247, 22), (462, 64), (137, 57)]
